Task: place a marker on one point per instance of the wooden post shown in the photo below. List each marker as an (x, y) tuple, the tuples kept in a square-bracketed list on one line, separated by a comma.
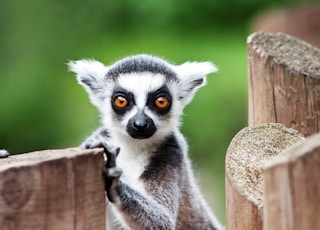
[(284, 82), (292, 188), (53, 189), (246, 155)]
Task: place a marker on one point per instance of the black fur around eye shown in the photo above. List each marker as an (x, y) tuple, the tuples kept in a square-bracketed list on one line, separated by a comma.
[(160, 100), (122, 101)]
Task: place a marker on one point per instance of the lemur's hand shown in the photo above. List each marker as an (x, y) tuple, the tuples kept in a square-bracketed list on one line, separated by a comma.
[(110, 171), (4, 153), (112, 174)]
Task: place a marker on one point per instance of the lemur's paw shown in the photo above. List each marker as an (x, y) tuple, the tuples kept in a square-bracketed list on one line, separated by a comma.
[(110, 171), (110, 151), (111, 175), (4, 153), (92, 143)]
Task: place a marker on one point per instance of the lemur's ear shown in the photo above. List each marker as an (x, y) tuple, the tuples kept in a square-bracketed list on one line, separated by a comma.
[(91, 75), (192, 76)]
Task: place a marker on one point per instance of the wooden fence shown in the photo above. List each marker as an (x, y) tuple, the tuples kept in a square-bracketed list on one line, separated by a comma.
[(54, 189), (272, 171)]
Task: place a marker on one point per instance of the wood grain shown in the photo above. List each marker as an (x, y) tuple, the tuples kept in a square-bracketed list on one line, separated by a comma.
[(292, 188), (53, 189), (247, 153), (284, 82)]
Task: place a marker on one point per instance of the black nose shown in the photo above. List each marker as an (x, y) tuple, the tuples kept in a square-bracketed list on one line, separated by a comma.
[(141, 126)]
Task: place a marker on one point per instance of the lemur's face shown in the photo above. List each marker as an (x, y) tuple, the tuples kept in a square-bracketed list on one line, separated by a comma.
[(141, 96), (143, 104)]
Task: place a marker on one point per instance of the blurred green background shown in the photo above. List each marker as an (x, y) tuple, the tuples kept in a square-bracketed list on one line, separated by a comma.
[(43, 107)]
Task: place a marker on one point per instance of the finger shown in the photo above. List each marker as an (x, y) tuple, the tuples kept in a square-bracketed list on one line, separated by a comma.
[(93, 144), (112, 172), (4, 153)]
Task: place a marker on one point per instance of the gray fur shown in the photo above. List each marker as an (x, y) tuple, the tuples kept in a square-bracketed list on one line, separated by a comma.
[(141, 63)]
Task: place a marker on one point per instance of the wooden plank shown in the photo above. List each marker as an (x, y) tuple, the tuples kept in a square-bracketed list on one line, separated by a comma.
[(284, 82), (247, 153), (292, 188), (242, 213), (53, 189)]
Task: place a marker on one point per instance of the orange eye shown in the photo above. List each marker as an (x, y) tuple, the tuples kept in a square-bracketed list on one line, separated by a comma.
[(162, 102), (121, 102)]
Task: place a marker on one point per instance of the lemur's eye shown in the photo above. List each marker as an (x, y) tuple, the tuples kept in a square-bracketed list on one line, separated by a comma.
[(161, 102), (120, 102)]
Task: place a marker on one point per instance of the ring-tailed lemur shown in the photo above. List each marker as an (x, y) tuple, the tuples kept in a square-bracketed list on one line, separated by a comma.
[(148, 177)]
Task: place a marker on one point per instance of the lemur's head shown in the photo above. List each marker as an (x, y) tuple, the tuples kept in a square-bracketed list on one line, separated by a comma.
[(141, 96)]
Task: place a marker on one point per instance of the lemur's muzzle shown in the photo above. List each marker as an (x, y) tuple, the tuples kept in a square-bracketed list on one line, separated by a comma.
[(141, 126)]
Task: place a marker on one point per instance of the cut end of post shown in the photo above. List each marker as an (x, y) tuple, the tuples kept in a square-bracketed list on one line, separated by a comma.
[(292, 52), (249, 150)]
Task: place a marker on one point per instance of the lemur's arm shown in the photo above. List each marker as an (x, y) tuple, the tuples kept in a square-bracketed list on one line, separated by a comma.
[(158, 210), (141, 212)]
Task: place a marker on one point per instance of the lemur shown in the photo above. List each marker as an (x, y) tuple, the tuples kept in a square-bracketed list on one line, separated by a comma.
[(149, 180)]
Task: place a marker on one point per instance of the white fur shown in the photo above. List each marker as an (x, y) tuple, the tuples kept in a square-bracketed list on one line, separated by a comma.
[(83, 68), (194, 69), (189, 72), (140, 85), (90, 70)]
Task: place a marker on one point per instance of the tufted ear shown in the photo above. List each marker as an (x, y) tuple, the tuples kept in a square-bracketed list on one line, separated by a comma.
[(91, 75), (192, 76)]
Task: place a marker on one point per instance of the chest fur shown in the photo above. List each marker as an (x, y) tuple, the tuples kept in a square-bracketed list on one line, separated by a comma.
[(133, 163)]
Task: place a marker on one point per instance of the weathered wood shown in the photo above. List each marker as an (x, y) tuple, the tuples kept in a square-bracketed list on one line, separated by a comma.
[(284, 82), (53, 189), (292, 188), (246, 155)]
